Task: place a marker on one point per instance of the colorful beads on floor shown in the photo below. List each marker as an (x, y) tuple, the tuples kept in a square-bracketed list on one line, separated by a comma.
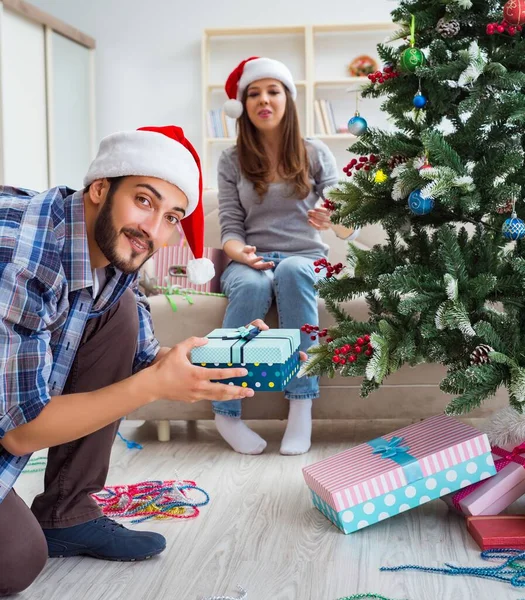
[(510, 570), (362, 596), (152, 500), (243, 595)]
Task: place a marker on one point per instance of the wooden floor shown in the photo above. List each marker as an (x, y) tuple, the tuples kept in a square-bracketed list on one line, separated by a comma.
[(261, 531)]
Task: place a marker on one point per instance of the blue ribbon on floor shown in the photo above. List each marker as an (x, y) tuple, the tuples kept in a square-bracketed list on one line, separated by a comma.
[(507, 571), (129, 443)]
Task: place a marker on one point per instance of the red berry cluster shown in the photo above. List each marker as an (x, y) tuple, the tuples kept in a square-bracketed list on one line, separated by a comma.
[(350, 353), (503, 27), (314, 332), (322, 263), (329, 205), (382, 76), (364, 162)]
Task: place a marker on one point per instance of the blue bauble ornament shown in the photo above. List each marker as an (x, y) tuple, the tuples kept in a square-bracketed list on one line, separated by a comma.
[(419, 205), (419, 100), (513, 228), (357, 125)]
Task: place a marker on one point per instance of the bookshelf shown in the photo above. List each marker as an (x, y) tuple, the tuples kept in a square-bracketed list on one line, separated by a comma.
[(317, 56)]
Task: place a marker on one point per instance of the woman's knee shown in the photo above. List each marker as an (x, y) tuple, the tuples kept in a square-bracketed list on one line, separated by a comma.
[(296, 268), (245, 280)]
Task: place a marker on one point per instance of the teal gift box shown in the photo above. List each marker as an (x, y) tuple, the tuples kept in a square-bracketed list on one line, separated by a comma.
[(271, 357)]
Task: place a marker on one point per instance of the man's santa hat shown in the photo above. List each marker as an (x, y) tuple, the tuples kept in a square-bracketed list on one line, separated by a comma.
[(250, 70), (165, 153)]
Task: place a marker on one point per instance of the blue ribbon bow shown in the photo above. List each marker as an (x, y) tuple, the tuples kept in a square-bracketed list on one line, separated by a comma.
[(391, 448), (244, 333), (394, 450)]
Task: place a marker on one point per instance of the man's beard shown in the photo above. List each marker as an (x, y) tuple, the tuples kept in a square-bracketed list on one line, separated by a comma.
[(107, 237)]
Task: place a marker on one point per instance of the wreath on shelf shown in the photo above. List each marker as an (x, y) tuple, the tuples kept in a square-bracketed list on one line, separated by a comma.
[(362, 66)]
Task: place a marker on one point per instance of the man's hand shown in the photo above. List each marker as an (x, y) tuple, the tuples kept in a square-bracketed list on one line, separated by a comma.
[(177, 379)]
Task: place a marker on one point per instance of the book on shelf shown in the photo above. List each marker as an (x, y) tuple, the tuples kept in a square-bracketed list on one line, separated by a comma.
[(319, 118), (220, 125), (325, 117)]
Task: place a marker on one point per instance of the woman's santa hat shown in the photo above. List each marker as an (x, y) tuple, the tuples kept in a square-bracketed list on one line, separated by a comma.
[(250, 70), (165, 153)]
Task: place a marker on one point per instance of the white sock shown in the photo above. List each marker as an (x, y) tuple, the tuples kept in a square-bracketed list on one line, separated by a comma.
[(297, 437), (240, 437)]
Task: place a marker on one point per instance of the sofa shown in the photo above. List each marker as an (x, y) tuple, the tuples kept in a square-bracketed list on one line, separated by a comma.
[(411, 393)]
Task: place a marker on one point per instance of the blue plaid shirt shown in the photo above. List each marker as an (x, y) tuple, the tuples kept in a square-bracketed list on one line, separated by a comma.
[(46, 298)]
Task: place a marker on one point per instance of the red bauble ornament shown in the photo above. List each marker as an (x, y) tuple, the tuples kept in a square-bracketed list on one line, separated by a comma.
[(514, 12)]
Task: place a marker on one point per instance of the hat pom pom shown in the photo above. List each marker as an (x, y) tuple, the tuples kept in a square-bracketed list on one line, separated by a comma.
[(200, 270), (233, 108)]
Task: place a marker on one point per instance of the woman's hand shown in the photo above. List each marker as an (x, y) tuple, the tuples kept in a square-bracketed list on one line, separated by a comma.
[(319, 218), (250, 258)]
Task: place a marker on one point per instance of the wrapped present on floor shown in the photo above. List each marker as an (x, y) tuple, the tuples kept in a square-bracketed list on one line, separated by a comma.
[(504, 531), (170, 267), (506, 433), (271, 357), (395, 473), (493, 496)]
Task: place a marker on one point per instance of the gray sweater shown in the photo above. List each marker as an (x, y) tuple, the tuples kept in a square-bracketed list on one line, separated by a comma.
[(280, 222)]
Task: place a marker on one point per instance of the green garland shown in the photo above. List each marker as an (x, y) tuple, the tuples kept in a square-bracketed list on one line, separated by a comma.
[(36, 465), (186, 293)]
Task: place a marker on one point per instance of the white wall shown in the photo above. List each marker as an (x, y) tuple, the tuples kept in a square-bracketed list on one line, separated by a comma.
[(148, 53), (24, 137)]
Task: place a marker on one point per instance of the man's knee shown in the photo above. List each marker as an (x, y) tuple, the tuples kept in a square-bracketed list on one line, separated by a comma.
[(23, 565)]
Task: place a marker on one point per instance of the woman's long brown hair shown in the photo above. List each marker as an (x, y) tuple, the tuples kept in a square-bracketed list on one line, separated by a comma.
[(293, 160)]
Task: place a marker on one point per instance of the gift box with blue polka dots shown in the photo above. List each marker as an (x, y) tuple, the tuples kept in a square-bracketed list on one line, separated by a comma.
[(271, 357), (398, 472)]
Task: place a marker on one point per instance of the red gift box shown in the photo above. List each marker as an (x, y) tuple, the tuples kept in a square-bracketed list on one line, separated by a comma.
[(502, 531)]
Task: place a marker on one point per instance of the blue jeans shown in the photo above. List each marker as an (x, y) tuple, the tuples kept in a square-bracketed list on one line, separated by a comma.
[(250, 295)]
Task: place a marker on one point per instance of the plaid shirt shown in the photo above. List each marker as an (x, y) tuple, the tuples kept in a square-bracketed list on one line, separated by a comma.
[(45, 301)]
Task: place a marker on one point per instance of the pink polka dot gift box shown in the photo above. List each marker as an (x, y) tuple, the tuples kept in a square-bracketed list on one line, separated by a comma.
[(271, 357), (397, 472)]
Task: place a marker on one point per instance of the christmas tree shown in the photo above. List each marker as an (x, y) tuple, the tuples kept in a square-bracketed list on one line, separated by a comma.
[(448, 285)]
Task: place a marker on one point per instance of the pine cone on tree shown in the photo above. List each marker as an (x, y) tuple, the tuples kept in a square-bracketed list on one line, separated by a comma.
[(480, 355), (396, 161), (447, 29)]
